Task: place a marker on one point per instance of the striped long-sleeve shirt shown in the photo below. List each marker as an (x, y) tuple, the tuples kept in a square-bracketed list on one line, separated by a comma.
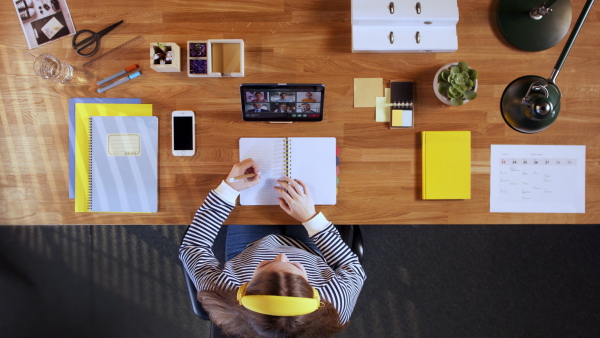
[(335, 272)]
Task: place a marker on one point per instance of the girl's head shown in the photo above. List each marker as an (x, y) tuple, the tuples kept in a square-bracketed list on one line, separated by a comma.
[(279, 277), (278, 299)]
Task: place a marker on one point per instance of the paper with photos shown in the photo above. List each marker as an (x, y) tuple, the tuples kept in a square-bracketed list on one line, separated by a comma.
[(52, 27)]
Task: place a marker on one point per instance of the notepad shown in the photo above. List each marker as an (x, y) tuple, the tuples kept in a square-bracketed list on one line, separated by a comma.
[(309, 159), (83, 112), (123, 164), (446, 159), (402, 104)]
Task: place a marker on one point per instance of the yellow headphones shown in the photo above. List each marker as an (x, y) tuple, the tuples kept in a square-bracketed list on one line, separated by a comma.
[(279, 305)]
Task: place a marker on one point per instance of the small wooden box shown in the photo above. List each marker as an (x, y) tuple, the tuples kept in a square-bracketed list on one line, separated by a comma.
[(216, 58), (173, 66)]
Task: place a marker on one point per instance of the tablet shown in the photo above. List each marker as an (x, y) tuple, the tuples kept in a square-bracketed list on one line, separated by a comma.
[(282, 102)]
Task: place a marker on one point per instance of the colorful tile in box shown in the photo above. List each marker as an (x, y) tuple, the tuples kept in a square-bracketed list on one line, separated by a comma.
[(198, 66), (197, 49)]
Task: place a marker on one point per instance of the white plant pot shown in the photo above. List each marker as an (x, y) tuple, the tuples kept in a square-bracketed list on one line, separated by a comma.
[(435, 84)]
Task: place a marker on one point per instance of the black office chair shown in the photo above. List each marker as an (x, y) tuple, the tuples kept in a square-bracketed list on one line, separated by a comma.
[(351, 235)]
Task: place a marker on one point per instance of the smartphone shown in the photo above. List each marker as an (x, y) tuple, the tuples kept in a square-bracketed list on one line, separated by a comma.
[(183, 131)]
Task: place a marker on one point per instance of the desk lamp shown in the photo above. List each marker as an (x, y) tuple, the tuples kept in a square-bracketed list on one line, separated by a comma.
[(531, 103), (534, 25)]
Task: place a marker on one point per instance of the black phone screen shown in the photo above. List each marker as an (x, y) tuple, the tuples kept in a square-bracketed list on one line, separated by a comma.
[(183, 133)]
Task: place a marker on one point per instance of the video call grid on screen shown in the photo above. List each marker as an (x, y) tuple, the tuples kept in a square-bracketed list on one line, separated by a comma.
[(293, 102)]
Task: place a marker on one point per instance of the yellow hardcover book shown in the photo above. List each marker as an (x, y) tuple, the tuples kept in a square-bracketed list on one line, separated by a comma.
[(83, 112), (446, 167)]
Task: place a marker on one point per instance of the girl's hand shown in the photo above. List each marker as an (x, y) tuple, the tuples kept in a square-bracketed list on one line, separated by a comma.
[(247, 166), (295, 199)]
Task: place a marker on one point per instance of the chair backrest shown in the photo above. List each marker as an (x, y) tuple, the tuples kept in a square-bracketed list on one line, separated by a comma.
[(196, 305), (351, 235)]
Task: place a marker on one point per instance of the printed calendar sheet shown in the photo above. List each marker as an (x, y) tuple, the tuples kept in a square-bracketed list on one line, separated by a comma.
[(537, 178)]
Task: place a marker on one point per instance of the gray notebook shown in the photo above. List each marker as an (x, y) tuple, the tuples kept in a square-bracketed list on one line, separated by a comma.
[(124, 164)]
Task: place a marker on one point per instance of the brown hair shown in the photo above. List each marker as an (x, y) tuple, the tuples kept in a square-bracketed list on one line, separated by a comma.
[(236, 320)]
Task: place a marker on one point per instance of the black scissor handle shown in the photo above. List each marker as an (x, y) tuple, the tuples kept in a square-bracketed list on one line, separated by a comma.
[(85, 43)]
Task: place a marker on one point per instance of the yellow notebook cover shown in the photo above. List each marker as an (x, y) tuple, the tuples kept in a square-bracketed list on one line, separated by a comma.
[(446, 164), (83, 112)]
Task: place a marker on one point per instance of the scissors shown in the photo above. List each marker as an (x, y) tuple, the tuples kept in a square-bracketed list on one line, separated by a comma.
[(93, 38)]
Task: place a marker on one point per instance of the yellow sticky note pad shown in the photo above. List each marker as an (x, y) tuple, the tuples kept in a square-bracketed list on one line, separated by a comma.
[(396, 118), (401, 118), (366, 90)]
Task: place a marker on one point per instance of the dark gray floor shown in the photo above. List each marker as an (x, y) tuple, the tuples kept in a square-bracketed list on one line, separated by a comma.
[(423, 281)]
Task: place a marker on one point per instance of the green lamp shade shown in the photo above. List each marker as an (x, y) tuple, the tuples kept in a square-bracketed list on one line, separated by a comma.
[(526, 33), (526, 118)]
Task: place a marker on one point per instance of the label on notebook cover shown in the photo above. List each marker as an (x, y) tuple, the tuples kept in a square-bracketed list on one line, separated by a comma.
[(124, 145)]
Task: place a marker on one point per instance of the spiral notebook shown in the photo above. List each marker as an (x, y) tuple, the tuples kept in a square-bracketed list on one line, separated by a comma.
[(310, 159), (123, 164), (72, 103), (83, 112)]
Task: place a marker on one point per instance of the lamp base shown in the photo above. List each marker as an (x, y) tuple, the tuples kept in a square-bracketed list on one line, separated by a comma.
[(526, 33), (520, 116)]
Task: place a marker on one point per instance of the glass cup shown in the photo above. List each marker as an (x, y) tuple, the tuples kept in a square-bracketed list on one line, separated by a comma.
[(49, 67)]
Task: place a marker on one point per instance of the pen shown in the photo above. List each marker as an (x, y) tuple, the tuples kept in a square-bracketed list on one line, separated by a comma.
[(118, 82), (116, 75), (241, 177)]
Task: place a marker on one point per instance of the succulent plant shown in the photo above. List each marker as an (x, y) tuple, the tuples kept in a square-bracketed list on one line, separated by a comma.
[(457, 83)]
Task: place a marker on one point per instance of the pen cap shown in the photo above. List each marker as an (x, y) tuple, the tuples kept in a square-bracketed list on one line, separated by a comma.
[(131, 68), (134, 75)]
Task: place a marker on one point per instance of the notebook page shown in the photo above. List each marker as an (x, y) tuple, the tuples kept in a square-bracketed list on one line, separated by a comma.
[(268, 153), (313, 162)]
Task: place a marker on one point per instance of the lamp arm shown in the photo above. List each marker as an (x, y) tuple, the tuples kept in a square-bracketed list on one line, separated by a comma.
[(571, 40), (549, 3)]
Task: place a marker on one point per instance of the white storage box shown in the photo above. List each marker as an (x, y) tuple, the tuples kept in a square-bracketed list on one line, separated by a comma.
[(405, 13), (383, 26), (407, 39)]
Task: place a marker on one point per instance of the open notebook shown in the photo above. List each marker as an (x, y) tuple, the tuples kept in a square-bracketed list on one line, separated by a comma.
[(309, 159)]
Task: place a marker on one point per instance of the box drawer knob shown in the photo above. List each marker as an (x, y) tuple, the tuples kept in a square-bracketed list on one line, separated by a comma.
[(418, 37), (418, 7), (391, 7), (391, 37)]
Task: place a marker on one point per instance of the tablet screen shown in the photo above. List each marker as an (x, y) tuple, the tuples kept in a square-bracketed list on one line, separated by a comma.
[(282, 102)]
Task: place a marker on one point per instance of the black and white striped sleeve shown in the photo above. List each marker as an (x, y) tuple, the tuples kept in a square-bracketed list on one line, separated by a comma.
[(196, 248), (349, 277)]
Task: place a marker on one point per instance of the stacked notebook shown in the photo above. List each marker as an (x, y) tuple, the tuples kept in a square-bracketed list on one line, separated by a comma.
[(72, 103), (115, 158), (446, 164), (309, 159)]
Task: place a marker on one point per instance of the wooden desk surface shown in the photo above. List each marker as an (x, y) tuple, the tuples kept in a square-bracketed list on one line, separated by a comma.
[(294, 42)]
